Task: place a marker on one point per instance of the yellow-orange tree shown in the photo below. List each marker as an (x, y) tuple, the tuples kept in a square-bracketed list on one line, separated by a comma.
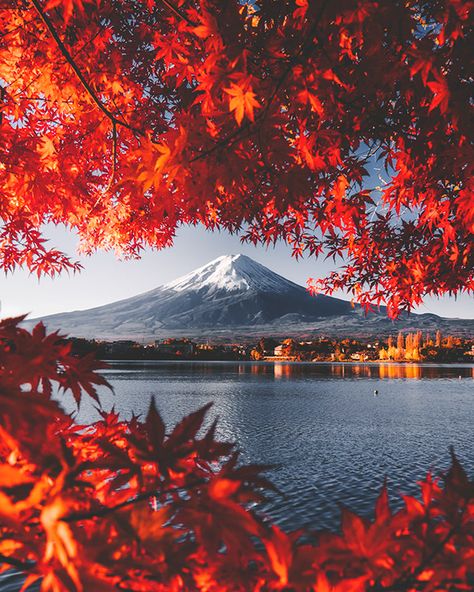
[(126, 118)]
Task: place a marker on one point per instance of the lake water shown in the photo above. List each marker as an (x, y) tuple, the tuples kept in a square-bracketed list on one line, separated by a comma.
[(330, 438)]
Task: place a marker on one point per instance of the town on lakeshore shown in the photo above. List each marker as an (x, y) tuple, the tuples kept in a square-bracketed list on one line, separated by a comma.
[(404, 347)]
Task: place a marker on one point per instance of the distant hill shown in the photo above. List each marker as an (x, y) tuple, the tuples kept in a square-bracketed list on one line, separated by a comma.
[(234, 297)]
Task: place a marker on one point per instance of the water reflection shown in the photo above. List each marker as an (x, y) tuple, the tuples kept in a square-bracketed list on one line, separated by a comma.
[(407, 371), (295, 370), (281, 370)]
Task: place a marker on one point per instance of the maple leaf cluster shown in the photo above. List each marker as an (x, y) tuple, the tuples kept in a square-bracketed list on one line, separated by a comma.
[(342, 128), (133, 505)]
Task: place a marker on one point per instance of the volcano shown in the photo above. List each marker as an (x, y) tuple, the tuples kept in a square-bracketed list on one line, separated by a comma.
[(232, 296)]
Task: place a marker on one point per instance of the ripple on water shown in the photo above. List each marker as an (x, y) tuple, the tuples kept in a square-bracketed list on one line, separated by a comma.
[(329, 438)]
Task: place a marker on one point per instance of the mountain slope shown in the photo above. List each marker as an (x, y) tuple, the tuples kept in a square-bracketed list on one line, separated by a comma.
[(230, 296)]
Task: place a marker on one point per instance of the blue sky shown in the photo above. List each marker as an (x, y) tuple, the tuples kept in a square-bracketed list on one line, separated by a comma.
[(106, 279)]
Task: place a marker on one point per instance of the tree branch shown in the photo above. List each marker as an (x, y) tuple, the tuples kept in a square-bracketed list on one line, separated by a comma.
[(23, 565), (3, 93), (302, 49), (70, 60), (112, 176), (409, 579), (78, 516), (179, 13), (105, 510)]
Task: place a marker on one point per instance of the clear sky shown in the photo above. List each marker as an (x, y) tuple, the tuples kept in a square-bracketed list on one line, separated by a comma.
[(106, 279)]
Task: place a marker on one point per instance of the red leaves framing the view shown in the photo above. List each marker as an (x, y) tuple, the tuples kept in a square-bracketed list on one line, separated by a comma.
[(132, 505), (340, 127)]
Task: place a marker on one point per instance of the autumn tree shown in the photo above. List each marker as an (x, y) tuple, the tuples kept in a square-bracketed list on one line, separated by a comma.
[(125, 119), (409, 346), (412, 346), (256, 354), (417, 345), (266, 345), (418, 339), (400, 346), (290, 348)]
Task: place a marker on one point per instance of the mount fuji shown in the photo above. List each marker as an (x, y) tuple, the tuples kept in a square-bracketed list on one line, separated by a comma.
[(233, 296)]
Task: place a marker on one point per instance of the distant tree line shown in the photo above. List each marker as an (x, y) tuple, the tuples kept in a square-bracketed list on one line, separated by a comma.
[(409, 347)]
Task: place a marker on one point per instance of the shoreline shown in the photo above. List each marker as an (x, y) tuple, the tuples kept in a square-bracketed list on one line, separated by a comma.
[(468, 364)]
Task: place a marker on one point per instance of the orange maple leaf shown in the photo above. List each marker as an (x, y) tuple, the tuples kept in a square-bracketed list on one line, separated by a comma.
[(155, 158), (242, 101), (340, 187), (220, 488), (302, 9), (305, 96)]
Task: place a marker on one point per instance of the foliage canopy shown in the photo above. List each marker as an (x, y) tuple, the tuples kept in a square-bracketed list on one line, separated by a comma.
[(124, 119)]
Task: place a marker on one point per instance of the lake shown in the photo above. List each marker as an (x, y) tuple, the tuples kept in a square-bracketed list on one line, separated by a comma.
[(330, 438)]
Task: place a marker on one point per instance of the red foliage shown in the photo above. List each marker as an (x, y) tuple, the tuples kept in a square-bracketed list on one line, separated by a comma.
[(125, 118), (130, 505)]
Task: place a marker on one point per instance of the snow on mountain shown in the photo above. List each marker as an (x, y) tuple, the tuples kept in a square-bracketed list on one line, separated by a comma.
[(232, 273)]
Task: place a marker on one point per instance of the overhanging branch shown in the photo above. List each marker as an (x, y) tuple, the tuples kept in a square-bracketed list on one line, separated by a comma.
[(70, 60), (179, 13), (228, 140)]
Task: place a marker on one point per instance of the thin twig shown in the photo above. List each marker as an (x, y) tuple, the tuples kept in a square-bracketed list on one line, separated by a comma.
[(104, 511), (112, 176), (114, 153), (179, 13), (79, 516), (3, 92), (23, 565), (70, 60), (115, 121)]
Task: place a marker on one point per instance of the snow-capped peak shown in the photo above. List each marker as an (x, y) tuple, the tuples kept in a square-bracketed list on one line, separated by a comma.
[(231, 273)]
